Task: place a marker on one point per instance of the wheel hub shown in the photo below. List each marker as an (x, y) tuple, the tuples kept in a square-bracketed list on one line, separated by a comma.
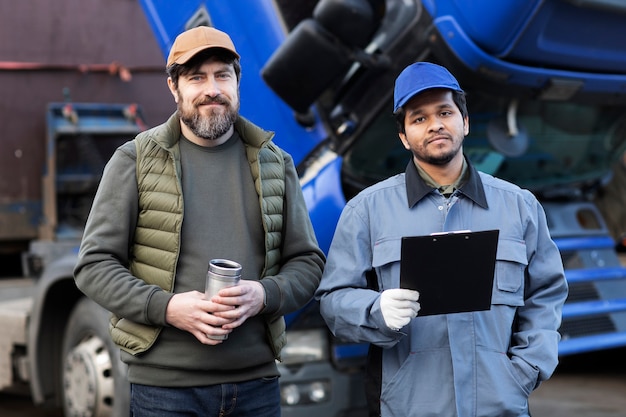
[(88, 380)]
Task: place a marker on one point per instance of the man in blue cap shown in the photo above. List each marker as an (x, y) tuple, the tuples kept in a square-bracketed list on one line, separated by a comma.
[(477, 363)]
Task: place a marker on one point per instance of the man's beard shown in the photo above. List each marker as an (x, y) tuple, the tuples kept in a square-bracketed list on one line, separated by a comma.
[(209, 127), (442, 159)]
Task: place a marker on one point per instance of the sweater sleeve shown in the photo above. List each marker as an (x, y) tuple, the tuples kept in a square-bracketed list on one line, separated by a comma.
[(102, 272), (302, 261)]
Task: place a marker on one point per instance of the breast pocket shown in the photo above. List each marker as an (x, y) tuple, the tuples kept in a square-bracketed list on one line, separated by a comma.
[(386, 261), (511, 262)]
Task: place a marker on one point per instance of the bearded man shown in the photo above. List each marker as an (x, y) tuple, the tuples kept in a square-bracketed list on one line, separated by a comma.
[(204, 185)]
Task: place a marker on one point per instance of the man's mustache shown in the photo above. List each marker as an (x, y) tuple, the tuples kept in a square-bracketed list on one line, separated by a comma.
[(212, 100)]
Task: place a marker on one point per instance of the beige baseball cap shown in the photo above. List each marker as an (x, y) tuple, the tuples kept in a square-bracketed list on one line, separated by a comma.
[(192, 41)]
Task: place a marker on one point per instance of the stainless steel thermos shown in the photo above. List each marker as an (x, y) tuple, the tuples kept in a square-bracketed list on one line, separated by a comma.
[(222, 273)]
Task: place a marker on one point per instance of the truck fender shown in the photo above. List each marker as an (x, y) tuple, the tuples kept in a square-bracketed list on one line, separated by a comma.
[(55, 296)]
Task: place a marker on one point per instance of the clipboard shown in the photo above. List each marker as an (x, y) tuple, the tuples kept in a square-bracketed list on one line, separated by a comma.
[(453, 272)]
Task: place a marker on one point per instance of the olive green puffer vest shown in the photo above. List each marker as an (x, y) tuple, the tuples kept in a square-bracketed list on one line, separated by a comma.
[(155, 251)]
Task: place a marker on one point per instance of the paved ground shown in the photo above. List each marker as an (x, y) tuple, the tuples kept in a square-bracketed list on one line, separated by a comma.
[(590, 385), (581, 396), (20, 406)]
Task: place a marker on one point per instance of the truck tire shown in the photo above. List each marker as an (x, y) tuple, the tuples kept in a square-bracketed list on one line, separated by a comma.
[(93, 376)]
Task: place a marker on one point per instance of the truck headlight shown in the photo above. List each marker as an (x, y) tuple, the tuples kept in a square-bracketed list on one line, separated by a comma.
[(305, 346), (300, 393)]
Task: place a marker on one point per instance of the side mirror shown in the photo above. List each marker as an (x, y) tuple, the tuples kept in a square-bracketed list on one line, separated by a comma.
[(353, 22), (320, 49), (305, 65)]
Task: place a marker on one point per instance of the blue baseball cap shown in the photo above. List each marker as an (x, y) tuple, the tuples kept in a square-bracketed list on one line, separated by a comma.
[(418, 77)]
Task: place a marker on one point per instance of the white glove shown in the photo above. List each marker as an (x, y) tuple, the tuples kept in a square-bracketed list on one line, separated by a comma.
[(399, 306)]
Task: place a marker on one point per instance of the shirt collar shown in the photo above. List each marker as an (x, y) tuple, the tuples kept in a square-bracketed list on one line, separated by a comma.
[(416, 187)]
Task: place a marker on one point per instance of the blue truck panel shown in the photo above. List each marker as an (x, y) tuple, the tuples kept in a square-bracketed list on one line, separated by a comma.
[(572, 35), (556, 49)]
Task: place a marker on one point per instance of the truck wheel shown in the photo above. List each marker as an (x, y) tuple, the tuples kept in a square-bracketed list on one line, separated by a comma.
[(94, 377)]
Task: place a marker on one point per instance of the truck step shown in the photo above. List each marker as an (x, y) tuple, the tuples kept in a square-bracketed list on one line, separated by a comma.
[(586, 308), (566, 244), (595, 274), (591, 343)]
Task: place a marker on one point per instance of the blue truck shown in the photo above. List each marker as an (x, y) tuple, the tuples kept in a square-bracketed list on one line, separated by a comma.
[(547, 97)]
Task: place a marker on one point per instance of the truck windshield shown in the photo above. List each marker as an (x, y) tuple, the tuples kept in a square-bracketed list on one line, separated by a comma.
[(557, 144)]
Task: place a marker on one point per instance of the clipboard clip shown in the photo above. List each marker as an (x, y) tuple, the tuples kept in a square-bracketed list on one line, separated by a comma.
[(450, 232)]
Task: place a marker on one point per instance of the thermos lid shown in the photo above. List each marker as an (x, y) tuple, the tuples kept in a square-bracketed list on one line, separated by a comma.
[(224, 267)]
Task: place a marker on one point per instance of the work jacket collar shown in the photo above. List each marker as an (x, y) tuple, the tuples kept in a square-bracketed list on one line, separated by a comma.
[(416, 188)]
